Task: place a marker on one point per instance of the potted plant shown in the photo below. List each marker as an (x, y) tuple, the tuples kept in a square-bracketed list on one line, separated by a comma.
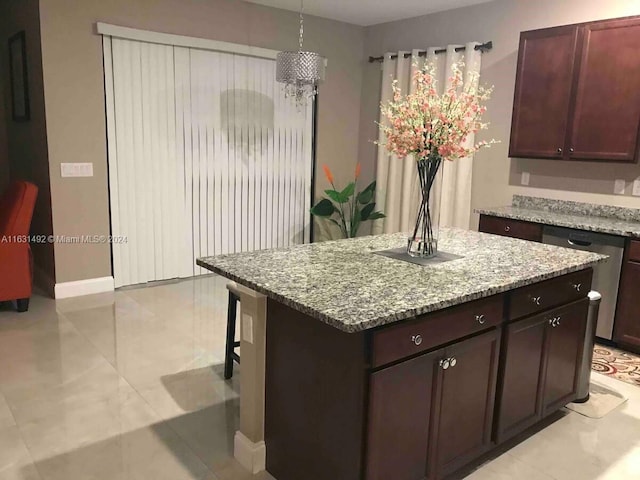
[(347, 208)]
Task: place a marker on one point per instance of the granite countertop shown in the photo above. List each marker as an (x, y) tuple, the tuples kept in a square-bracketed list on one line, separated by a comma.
[(344, 284), (624, 222)]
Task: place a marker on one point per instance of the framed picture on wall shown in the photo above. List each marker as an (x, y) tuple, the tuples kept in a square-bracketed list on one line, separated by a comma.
[(19, 82)]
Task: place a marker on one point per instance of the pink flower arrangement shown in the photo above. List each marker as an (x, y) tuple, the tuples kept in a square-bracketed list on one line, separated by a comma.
[(427, 124)]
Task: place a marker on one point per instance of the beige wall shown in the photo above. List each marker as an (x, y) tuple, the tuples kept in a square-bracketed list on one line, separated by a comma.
[(74, 94), (27, 141), (496, 177)]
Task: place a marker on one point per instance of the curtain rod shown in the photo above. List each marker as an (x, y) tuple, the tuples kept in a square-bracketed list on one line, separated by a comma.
[(484, 47)]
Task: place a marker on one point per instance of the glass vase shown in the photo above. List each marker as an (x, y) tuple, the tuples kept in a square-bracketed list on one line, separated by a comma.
[(423, 239)]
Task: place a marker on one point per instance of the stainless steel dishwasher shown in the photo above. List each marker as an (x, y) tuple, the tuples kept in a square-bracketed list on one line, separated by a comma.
[(606, 276)]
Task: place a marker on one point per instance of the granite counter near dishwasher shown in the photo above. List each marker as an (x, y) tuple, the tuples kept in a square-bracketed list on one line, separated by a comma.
[(344, 284), (621, 221)]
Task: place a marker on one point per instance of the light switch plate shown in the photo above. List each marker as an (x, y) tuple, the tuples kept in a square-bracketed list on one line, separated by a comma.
[(247, 328), (618, 187), (636, 187), (524, 180), (76, 169)]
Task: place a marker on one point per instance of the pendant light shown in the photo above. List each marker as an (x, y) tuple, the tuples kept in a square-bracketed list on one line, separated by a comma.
[(300, 71)]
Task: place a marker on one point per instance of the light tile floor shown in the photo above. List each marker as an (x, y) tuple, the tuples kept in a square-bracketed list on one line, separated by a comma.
[(129, 386)]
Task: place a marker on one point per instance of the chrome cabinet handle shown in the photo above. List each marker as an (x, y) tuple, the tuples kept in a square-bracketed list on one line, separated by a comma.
[(559, 150), (480, 319), (536, 300), (507, 228), (577, 286), (555, 321), (417, 339), (571, 150), (447, 363)]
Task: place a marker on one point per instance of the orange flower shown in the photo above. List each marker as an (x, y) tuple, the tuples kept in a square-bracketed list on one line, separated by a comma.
[(328, 173), (358, 169)]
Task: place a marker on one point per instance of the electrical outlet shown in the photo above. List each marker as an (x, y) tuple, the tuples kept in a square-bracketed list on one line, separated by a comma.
[(524, 180), (247, 328), (619, 186), (636, 187), (76, 169)]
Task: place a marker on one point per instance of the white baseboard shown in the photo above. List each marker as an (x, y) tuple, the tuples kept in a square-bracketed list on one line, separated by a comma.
[(84, 287), (252, 456)]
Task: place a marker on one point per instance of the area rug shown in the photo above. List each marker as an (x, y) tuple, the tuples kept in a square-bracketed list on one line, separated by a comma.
[(616, 363)]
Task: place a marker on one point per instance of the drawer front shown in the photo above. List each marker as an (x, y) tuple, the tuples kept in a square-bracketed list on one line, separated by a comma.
[(550, 293), (511, 228), (425, 333), (634, 250)]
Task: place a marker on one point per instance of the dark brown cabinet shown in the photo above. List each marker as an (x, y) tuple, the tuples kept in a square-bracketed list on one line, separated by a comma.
[(399, 412), (511, 228), (563, 354), (421, 399), (544, 82), (541, 357), (519, 392), (607, 106), (463, 404), (577, 95), (627, 324), (454, 388)]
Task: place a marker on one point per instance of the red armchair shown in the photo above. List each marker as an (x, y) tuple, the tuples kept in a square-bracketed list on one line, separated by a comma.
[(16, 263)]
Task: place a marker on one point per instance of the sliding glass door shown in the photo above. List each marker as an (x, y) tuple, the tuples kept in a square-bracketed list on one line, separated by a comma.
[(206, 156)]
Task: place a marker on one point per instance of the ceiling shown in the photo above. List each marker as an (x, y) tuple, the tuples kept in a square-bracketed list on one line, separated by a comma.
[(369, 12)]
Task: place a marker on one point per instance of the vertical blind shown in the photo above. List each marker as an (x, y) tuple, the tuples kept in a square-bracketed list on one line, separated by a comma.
[(206, 156)]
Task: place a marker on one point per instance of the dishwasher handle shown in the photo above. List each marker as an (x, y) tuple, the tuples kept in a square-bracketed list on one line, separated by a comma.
[(579, 243)]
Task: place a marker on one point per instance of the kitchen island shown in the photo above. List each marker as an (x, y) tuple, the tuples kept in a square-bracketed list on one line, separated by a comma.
[(374, 368)]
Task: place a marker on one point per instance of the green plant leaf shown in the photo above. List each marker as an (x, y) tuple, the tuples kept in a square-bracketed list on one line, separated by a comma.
[(355, 222), (324, 208), (348, 190), (337, 197), (366, 195), (367, 211), (376, 215)]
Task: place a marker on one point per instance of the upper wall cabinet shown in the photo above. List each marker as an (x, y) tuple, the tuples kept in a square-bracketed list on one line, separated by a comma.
[(577, 93)]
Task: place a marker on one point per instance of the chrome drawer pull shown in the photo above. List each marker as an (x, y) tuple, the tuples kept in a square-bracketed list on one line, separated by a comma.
[(577, 286), (507, 228), (554, 322), (445, 364), (417, 339), (480, 319), (537, 300), (453, 361)]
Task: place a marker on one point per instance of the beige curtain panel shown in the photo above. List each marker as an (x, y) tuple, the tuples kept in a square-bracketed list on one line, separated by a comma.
[(398, 190)]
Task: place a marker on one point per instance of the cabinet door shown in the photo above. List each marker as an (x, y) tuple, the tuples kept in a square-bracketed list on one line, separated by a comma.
[(544, 82), (463, 404), (607, 112), (563, 352), (519, 395), (399, 412), (627, 324)]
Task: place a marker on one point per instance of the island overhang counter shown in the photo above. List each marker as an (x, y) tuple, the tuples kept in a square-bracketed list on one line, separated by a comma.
[(360, 366)]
